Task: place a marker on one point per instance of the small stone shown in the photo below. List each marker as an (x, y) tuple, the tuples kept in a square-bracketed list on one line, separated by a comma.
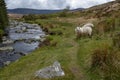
[(7, 63)]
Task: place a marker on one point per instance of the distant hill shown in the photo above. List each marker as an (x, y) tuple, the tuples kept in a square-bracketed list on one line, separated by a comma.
[(34, 11), (31, 11)]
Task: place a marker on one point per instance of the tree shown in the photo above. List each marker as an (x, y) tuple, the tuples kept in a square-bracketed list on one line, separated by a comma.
[(64, 12), (3, 15), (67, 8), (3, 18)]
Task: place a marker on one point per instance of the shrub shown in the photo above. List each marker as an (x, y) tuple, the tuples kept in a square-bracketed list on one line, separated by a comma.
[(1, 34), (99, 58), (116, 40), (106, 62), (64, 13), (54, 43), (55, 32), (29, 17), (105, 26), (43, 17), (46, 30), (46, 42)]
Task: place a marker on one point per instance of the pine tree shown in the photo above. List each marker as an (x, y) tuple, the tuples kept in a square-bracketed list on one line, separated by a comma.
[(3, 15), (3, 18)]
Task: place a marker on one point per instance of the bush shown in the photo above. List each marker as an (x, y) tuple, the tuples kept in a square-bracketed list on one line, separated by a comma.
[(1, 34), (55, 32), (99, 58), (105, 26), (29, 17), (63, 14), (34, 17), (46, 42), (116, 40), (43, 17), (46, 30), (106, 62)]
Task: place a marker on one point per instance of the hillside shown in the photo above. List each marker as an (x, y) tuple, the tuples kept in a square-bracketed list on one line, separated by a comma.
[(104, 10), (34, 11), (84, 58), (31, 11)]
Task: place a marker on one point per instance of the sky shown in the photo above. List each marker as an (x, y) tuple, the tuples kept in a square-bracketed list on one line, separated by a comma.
[(53, 4)]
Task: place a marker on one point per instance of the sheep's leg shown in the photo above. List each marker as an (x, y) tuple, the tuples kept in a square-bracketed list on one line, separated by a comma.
[(90, 35), (79, 35)]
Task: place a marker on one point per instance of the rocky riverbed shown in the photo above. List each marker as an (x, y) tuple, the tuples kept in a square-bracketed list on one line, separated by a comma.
[(22, 39)]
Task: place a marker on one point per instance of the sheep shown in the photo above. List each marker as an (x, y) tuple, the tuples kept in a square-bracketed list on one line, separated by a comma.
[(84, 30), (78, 31)]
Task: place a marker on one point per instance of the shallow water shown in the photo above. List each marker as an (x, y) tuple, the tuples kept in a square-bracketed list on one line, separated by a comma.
[(24, 47), (26, 38)]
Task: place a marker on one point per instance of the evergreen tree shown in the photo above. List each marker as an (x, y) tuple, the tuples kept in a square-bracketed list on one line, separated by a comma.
[(3, 18), (3, 15)]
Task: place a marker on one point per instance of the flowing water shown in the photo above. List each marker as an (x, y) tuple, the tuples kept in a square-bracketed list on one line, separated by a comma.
[(22, 39)]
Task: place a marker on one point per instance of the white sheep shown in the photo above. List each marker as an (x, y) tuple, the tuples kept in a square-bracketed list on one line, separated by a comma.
[(84, 30)]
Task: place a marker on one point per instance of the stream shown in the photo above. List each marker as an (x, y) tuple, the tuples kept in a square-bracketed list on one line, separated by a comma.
[(22, 39)]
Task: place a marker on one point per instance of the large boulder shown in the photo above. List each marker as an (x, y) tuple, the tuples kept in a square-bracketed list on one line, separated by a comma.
[(51, 71)]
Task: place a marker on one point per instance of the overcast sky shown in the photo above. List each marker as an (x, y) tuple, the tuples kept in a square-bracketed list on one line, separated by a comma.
[(53, 4)]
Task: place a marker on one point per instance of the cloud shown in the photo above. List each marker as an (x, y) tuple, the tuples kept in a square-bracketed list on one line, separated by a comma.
[(53, 4)]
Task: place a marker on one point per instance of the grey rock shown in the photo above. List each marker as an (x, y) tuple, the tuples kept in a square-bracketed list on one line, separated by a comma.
[(8, 42), (6, 48), (51, 71), (7, 63), (23, 28)]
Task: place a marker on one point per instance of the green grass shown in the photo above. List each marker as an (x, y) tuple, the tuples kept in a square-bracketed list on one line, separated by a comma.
[(86, 48), (74, 55), (25, 68)]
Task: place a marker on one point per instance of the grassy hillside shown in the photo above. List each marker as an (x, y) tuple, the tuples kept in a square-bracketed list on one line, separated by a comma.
[(95, 58)]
